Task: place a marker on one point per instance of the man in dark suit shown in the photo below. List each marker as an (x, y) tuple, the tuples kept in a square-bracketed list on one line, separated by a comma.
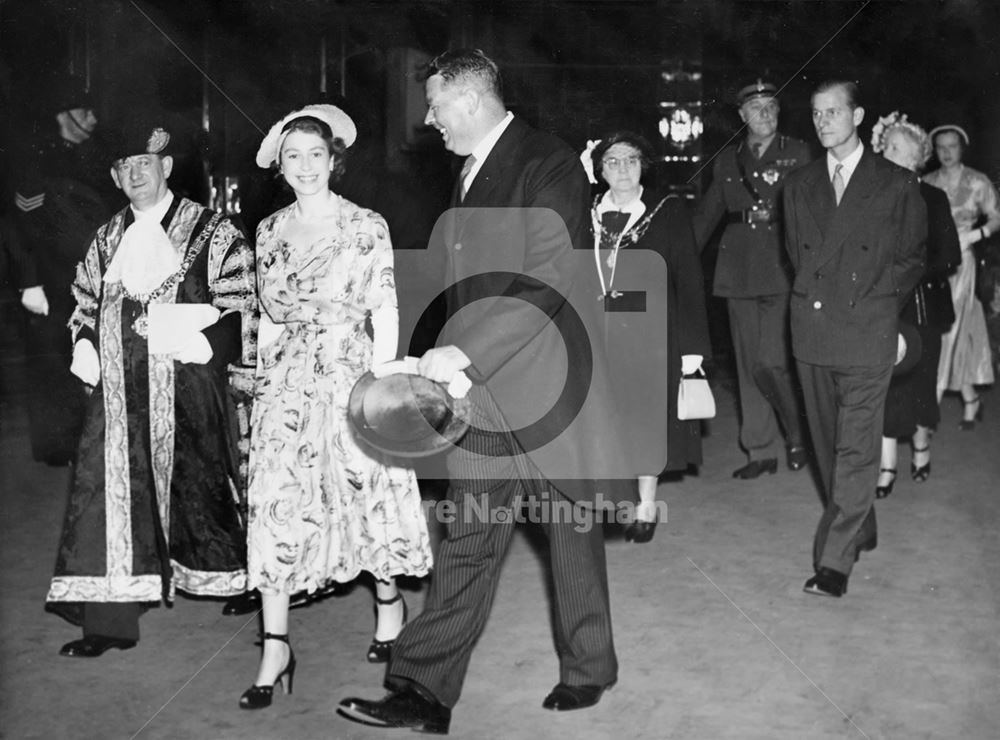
[(510, 269), (856, 229), (753, 275)]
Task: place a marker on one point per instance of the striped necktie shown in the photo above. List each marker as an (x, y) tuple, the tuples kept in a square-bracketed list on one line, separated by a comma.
[(470, 162)]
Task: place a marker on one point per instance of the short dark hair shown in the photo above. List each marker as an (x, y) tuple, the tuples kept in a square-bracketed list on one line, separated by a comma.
[(850, 88), (467, 65), (334, 144), (631, 138)]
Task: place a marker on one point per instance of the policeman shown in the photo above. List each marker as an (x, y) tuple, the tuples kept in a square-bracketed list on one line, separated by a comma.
[(61, 198), (752, 274)]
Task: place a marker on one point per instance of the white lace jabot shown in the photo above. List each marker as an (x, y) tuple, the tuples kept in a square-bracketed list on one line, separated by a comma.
[(145, 257)]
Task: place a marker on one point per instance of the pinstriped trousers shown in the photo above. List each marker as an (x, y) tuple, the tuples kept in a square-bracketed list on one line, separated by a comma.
[(434, 649)]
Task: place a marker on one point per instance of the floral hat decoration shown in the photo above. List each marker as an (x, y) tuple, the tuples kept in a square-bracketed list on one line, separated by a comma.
[(885, 124), (587, 160), (339, 122)]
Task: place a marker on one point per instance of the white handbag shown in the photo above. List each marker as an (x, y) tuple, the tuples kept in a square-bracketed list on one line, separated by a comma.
[(694, 398)]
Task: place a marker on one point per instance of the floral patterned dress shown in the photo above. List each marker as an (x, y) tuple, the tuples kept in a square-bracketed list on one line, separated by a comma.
[(320, 508), (965, 350)]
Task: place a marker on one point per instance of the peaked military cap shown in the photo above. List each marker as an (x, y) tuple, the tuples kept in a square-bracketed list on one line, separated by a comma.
[(756, 90)]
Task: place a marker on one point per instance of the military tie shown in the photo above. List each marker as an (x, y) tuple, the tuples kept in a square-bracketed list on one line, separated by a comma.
[(838, 183), (756, 149), (470, 162)]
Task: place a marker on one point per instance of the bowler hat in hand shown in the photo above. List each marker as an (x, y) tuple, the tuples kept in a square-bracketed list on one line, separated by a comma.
[(406, 415)]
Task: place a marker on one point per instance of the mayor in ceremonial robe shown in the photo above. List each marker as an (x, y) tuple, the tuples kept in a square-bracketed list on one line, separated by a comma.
[(154, 500)]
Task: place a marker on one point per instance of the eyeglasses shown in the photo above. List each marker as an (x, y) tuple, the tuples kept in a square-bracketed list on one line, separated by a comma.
[(613, 163)]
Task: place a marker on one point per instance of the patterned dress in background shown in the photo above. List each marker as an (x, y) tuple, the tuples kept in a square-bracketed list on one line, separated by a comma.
[(320, 508), (965, 350)]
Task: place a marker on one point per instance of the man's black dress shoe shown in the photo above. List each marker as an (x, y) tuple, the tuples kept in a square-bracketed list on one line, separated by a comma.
[(756, 468), (797, 457), (565, 697), (399, 709), (244, 603), (640, 531), (827, 582), (93, 646)]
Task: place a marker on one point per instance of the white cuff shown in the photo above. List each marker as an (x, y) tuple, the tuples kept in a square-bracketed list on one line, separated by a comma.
[(690, 364), (385, 330), (86, 364), (197, 352)]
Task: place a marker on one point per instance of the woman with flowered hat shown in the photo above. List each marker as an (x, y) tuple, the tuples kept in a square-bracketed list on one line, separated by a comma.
[(911, 407)]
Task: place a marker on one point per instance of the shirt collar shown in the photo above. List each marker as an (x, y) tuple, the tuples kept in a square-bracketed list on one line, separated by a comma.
[(605, 204), (484, 147), (158, 211), (850, 163)]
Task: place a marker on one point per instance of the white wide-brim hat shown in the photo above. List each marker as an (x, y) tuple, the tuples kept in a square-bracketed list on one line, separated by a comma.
[(339, 122)]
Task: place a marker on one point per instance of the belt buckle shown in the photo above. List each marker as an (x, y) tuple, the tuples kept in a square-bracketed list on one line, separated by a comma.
[(758, 215)]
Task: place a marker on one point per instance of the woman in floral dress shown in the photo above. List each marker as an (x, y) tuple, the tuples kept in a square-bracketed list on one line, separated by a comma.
[(965, 350), (320, 508)]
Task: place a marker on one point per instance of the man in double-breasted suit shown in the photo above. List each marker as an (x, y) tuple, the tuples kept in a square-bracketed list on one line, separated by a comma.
[(520, 204), (856, 229), (752, 274)]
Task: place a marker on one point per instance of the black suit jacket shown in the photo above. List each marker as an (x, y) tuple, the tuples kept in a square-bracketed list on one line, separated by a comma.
[(519, 310), (854, 264)]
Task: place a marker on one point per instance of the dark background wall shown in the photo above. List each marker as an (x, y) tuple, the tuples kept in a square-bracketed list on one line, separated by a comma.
[(577, 68), (220, 72)]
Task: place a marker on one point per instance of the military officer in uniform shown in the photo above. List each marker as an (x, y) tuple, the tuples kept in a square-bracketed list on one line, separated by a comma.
[(752, 274)]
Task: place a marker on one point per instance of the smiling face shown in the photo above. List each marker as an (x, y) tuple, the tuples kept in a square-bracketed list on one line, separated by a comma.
[(449, 111), (305, 162), (835, 122), (948, 148), (621, 169), (143, 178)]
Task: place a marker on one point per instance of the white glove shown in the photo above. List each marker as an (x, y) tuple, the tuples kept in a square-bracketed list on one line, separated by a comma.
[(86, 364), (900, 348), (968, 238), (35, 301), (690, 364), (385, 333), (406, 366), (460, 385), (196, 352), (457, 388)]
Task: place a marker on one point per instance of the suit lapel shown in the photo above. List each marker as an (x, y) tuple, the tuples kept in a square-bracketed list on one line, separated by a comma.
[(492, 170), (482, 192), (856, 201), (819, 196)]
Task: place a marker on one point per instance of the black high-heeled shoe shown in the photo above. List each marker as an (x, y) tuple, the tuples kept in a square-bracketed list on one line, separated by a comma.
[(922, 472), (379, 650), (258, 697), (967, 425), (640, 532), (883, 491)]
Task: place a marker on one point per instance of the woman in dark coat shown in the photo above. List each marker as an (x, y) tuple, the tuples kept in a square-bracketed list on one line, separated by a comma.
[(655, 332), (911, 408)]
